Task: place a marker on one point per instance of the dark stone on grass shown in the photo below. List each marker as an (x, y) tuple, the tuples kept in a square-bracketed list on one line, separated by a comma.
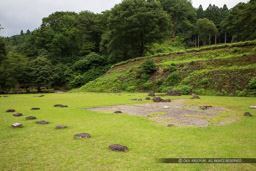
[(151, 94), (17, 125), (117, 147), (60, 105), (133, 99), (140, 100), (166, 100), (170, 125), (147, 98), (35, 108), (83, 135), (17, 114), (41, 96), (61, 127), (195, 97), (42, 122), (118, 112), (205, 107), (10, 110), (5, 96), (247, 114), (173, 93), (30, 118)]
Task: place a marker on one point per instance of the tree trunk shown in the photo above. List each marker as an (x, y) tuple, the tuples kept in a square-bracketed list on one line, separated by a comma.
[(215, 39), (225, 37), (209, 40), (173, 33), (198, 41), (195, 41)]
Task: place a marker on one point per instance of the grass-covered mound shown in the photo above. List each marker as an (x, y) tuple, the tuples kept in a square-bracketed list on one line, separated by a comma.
[(42, 147), (215, 70)]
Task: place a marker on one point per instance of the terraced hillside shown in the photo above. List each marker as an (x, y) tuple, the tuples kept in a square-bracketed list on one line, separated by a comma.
[(215, 70)]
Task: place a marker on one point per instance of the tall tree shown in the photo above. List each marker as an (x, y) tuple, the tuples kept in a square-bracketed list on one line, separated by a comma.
[(200, 12), (133, 26), (206, 29), (181, 12)]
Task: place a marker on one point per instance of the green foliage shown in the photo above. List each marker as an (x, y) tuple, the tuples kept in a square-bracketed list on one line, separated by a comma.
[(148, 85), (241, 93), (206, 29), (185, 90), (174, 78), (159, 81), (131, 89), (252, 83), (186, 80)]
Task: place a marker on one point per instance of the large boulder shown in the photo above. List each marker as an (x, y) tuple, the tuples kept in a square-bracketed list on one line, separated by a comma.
[(173, 93), (159, 99), (117, 147), (17, 114), (83, 135), (17, 125)]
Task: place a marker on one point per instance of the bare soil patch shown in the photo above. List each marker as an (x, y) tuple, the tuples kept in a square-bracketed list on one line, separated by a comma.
[(176, 112)]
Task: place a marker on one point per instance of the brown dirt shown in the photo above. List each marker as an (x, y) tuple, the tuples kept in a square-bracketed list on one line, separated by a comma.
[(177, 113)]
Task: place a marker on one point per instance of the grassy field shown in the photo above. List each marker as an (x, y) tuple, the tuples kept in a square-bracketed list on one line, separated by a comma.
[(42, 147)]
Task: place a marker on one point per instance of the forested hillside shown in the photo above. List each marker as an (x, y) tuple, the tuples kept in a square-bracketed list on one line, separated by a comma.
[(71, 49)]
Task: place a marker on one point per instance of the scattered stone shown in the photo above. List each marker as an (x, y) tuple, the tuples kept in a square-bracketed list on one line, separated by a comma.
[(159, 99), (170, 125), (30, 118), (117, 147), (133, 99), (253, 107), (41, 96), (140, 100), (60, 105), (17, 114), (247, 114), (151, 94), (42, 122), (147, 98), (161, 94), (35, 108), (118, 112), (83, 135), (173, 93), (166, 107), (195, 97), (205, 107), (17, 125), (5, 96), (10, 110), (61, 127)]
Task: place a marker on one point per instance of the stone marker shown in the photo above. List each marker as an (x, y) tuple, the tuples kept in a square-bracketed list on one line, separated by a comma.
[(35, 108), (118, 112), (42, 122), (117, 147), (61, 127), (147, 98), (17, 114), (195, 97), (30, 118), (151, 94), (140, 100), (17, 125), (83, 135), (10, 110), (205, 107), (247, 114), (173, 93), (170, 125), (253, 107), (166, 107)]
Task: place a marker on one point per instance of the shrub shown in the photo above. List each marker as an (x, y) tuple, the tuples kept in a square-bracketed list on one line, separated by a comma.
[(159, 81), (148, 66), (148, 85), (185, 90), (173, 78), (47, 90), (252, 83), (131, 89), (186, 80), (241, 93), (164, 89), (33, 91), (205, 81)]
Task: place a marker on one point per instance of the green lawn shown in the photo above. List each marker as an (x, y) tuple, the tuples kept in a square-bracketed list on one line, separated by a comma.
[(42, 147)]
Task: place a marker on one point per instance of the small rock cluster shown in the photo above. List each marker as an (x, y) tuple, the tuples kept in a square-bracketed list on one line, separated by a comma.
[(173, 93), (195, 97)]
